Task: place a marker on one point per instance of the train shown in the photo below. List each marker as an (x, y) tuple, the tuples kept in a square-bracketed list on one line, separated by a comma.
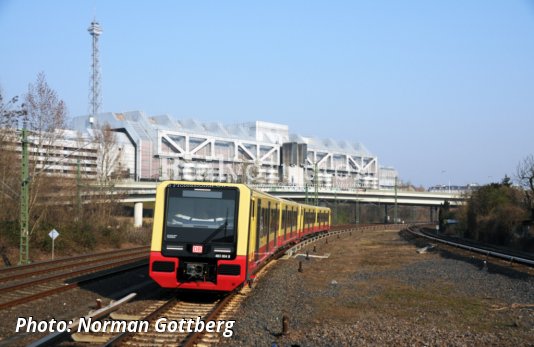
[(216, 236)]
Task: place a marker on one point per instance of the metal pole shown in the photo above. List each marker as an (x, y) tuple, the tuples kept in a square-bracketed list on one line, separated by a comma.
[(357, 208), (53, 240), (24, 200), (316, 184), (395, 209), (306, 192), (78, 189), (357, 212), (335, 206)]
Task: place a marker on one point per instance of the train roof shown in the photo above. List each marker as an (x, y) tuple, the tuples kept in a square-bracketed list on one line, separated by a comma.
[(240, 185)]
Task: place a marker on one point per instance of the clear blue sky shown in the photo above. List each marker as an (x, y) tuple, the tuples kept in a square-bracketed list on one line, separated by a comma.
[(427, 86)]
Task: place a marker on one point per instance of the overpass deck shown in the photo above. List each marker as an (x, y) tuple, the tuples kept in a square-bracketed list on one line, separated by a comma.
[(146, 191)]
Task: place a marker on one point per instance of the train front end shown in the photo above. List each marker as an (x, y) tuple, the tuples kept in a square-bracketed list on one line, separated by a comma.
[(199, 236)]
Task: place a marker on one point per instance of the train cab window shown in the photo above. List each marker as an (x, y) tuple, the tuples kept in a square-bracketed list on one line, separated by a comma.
[(201, 215)]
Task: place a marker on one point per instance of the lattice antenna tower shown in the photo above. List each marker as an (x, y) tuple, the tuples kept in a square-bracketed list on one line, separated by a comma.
[(95, 98)]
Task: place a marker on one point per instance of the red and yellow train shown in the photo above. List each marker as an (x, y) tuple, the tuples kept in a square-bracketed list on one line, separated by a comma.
[(215, 236)]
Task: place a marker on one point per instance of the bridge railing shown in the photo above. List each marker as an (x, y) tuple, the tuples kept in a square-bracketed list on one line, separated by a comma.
[(329, 189)]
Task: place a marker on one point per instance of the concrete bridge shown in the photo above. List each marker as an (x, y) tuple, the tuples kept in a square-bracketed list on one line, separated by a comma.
[(142, 195)]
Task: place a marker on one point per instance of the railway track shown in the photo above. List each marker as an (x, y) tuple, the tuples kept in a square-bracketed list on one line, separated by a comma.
[(33, 270), (48, 281), (170, 312), (512, 257), (167, 315), (174, 323), (28, 268)]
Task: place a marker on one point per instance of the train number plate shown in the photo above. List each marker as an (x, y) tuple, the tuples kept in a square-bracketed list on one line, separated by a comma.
[(198, 249)]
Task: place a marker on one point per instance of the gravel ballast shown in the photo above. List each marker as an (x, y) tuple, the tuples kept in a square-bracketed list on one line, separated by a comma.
[(375, 289)]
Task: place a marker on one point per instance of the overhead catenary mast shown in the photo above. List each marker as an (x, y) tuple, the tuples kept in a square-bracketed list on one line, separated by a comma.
[(95, 93)]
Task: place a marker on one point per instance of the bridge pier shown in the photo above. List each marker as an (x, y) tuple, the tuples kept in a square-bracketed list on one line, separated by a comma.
[(138, 214), (433, 213)]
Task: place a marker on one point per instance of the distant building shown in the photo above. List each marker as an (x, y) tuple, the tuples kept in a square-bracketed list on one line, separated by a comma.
[(68, 151), (387, 178), (160, 148)]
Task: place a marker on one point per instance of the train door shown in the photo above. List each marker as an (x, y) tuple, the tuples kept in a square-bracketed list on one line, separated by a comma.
[(302, 222), (276, 224), (259, 223), (293, 221), (308, 220), (251, 229), (268, 225), (306, 223), (284, 222)]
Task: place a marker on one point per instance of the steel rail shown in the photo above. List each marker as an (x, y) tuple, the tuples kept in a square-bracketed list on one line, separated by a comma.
[(481, 250), (65, 259), (70, 274), (76, 284), (150, 317), (54, 338), (194, 337), (70, 265)]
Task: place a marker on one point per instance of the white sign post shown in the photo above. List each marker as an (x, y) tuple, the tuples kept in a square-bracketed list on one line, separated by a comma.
[(53, 234)]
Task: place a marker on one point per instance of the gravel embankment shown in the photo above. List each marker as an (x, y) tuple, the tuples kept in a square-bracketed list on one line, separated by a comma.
[(375, 289), (67, 305)]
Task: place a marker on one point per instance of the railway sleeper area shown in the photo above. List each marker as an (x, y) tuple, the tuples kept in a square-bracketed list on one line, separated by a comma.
[(356, 285)]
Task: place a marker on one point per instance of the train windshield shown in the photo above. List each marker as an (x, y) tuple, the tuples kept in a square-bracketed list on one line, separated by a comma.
[(201, 215)]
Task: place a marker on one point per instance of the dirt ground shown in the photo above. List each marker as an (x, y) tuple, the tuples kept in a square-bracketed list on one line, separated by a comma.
[(374, 288)]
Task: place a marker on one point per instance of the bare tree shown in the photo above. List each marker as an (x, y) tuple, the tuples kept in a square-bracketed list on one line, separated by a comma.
[(108, 171), (10, 113), (525, 177), (45, 119), (46, 112), (109, 155)]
